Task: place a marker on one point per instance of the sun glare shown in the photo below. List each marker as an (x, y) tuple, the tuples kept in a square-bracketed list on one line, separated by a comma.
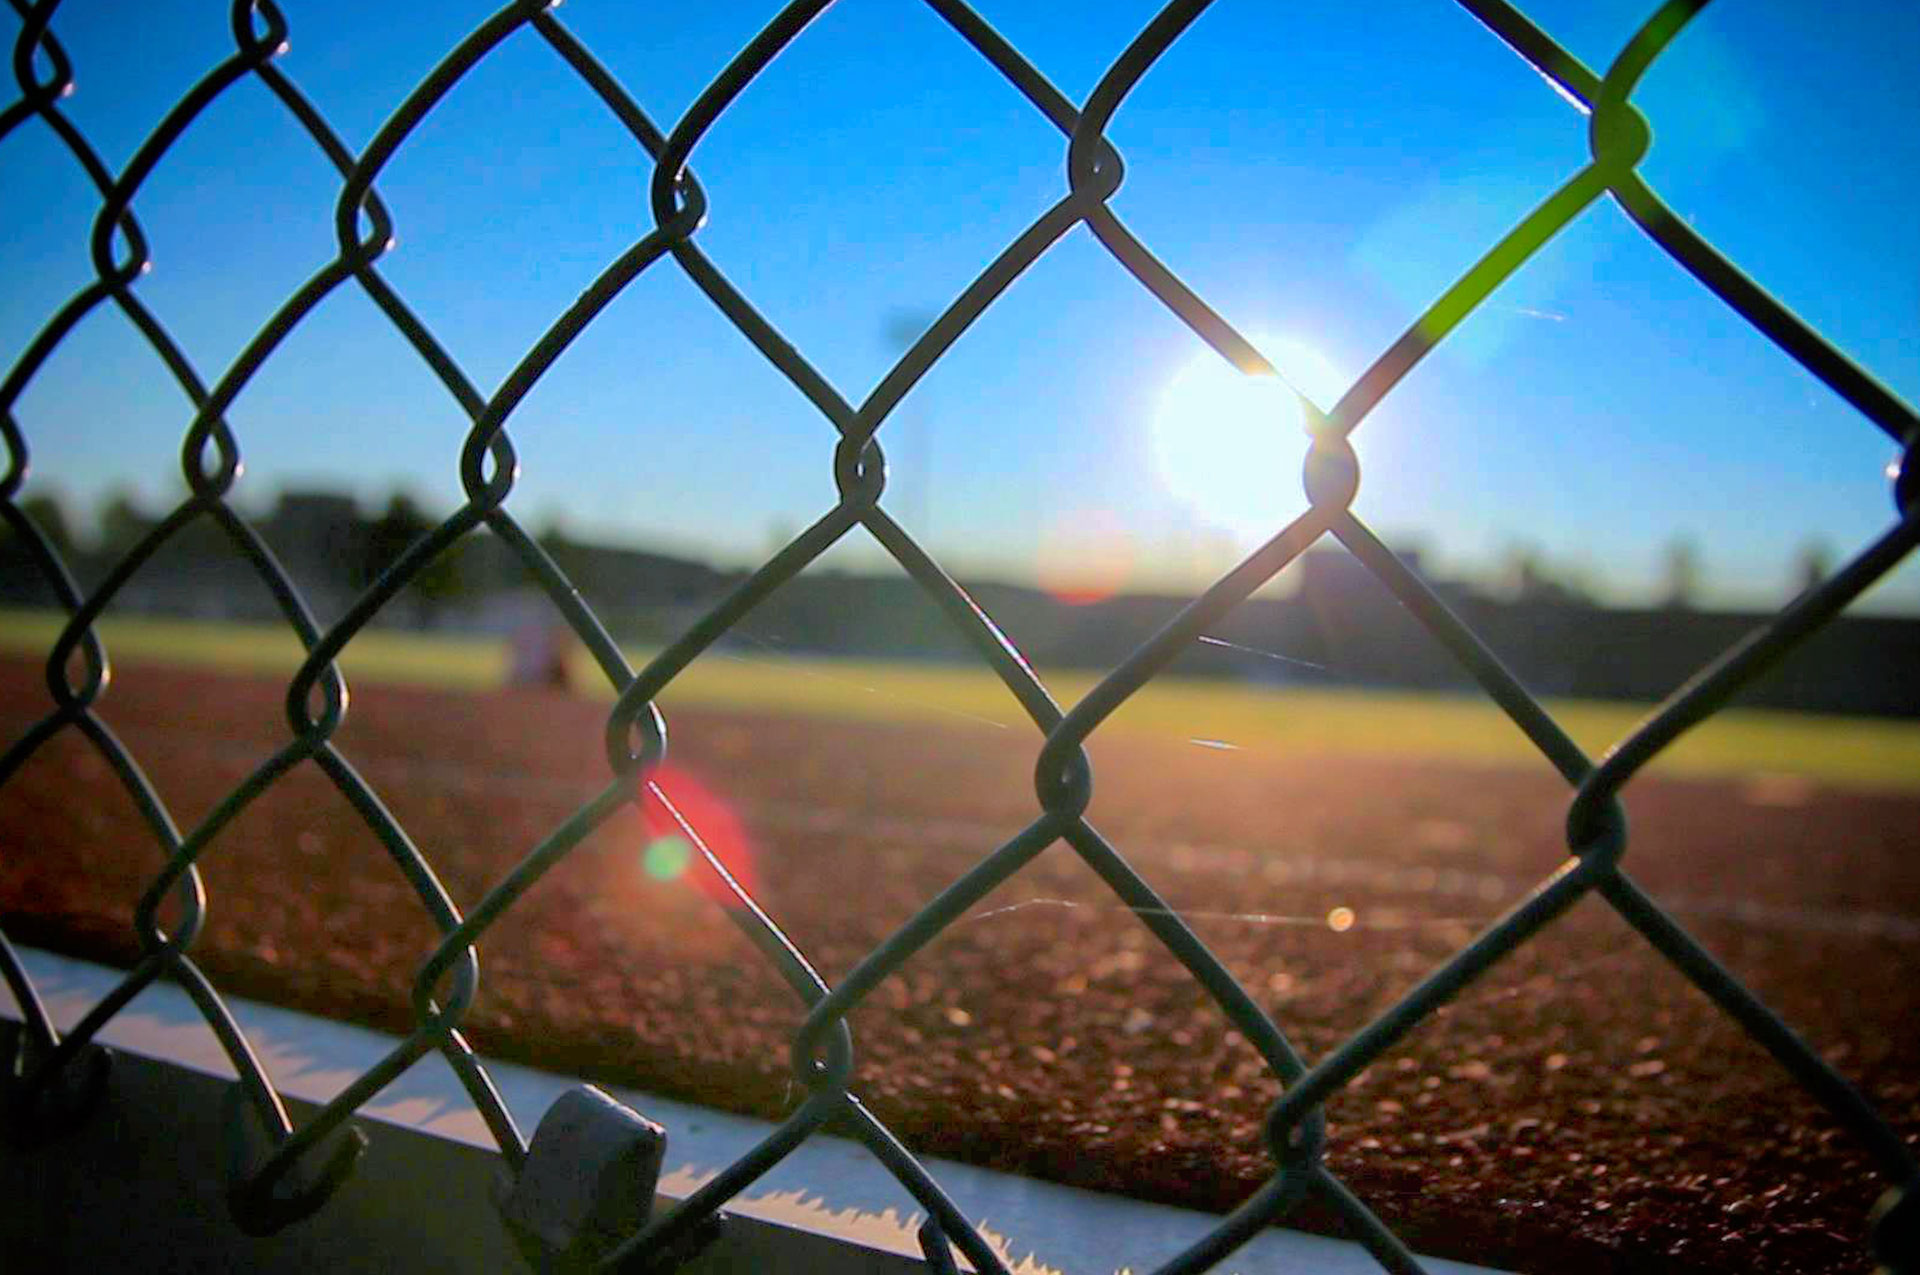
[(1230, 446)]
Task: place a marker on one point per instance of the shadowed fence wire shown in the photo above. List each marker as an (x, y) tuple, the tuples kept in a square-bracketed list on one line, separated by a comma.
[(288, 1170)]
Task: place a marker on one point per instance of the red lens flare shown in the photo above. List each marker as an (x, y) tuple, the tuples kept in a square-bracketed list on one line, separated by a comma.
[(1085, 557), (691, 833)]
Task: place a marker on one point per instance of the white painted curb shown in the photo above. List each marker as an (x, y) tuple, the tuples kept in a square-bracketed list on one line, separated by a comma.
[(828, 1187)]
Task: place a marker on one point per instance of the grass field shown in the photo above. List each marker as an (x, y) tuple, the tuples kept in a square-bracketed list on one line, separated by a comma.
[(1855, 752)]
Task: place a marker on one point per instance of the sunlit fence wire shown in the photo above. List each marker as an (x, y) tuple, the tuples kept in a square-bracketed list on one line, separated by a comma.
[(290, 1170)]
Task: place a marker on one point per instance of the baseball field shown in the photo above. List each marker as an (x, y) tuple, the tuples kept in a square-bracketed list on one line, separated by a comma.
[(1581, 1108)]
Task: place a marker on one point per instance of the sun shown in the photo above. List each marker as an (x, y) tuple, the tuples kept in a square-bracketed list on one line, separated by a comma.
[(1229, 446)]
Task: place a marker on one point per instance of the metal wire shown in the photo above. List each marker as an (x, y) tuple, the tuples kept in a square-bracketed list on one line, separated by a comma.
[(823, 1049)]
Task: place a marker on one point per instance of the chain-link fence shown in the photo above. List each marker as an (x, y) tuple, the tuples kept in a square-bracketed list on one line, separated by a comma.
[(286, 1172)]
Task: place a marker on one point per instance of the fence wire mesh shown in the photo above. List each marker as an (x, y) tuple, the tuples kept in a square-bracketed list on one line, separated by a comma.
[(289, 1170)]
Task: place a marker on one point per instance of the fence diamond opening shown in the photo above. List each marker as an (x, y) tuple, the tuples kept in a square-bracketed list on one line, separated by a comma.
[(289, 1171)]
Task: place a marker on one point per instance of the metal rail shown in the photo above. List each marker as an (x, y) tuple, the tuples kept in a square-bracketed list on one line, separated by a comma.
[(286, 1170)]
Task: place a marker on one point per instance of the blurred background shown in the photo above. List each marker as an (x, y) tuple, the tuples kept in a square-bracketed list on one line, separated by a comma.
[(1608, 470)]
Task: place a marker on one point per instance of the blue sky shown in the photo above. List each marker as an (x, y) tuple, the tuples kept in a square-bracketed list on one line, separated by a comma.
[(1318, 176)]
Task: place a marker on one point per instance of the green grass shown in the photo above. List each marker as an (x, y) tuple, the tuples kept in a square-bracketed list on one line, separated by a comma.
[(1853, 751)]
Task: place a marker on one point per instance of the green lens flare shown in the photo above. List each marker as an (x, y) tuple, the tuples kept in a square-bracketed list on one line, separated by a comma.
[(667, 858)]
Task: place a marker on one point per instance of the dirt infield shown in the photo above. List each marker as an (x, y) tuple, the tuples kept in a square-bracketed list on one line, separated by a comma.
[(1582, 1108)]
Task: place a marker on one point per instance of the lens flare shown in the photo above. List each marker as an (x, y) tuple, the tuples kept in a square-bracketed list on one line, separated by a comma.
[(1340, 920), (666, 858), (691, 833), (1086, 556)]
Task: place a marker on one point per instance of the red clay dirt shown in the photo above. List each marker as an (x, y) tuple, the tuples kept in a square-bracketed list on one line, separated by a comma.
[(1582, 1108)]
